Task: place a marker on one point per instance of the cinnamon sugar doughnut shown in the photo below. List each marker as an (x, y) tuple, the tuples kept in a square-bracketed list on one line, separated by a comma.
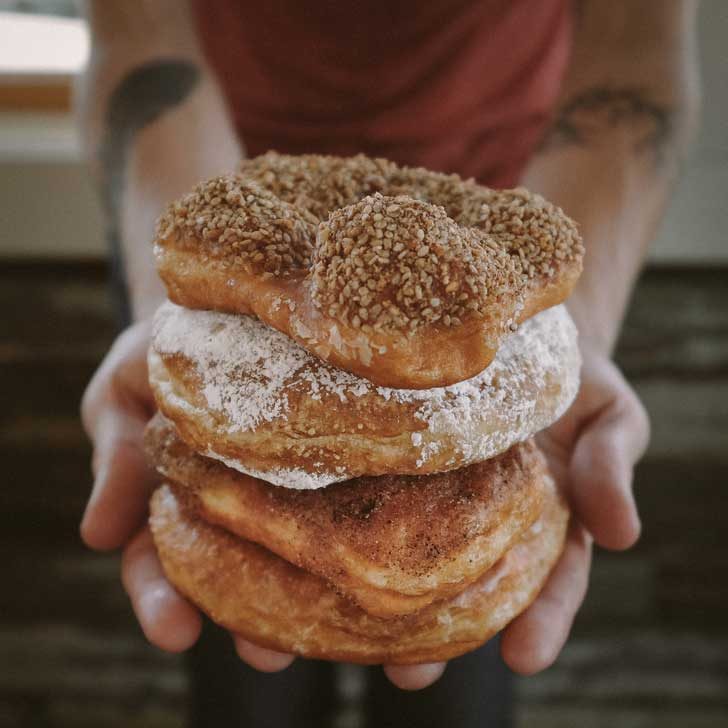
[(374, 540), (247, 395), (270, 602), (408, 278)]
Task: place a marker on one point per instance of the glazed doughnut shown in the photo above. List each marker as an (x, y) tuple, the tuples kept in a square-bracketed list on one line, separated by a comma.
[(374, 540), (247, 395), (270, 602), (405, 277)]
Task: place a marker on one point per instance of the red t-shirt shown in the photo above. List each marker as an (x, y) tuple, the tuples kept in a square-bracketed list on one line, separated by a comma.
[(461, 86)]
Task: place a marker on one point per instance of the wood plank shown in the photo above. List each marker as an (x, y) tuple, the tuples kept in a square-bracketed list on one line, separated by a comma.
[(104, 663), (636, 667), (677, 326), (689, 418), (565, 716), (648, 647), (85, 713), (35, 96)]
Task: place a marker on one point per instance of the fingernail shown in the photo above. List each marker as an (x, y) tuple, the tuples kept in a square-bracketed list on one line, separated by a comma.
[(415, 677), (95, 489)]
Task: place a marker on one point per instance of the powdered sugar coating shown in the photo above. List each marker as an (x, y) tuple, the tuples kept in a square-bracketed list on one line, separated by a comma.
[(295, 478), (543, 350), (166, 514), (247, 370)]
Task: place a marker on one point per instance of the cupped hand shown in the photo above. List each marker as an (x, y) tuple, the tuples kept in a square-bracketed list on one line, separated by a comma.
[(591, 451), (116, 407)]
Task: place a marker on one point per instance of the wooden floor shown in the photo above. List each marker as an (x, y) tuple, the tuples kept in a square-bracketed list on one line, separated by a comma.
[(650, 647)]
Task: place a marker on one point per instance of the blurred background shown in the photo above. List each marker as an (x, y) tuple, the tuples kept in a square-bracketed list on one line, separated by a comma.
[(650, 647)]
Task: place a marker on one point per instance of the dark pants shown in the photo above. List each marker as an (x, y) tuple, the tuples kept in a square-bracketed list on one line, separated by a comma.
[(474, 691)]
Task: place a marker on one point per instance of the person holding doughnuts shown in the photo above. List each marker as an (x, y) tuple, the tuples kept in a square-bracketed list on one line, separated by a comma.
[(591, 104)]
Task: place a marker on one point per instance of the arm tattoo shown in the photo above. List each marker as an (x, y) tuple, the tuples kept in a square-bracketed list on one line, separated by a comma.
[(141, 98), (585, 118)]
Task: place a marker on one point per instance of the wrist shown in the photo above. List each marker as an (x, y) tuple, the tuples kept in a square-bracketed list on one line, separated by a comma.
[(597, 331), (146, 300), (143, 289)]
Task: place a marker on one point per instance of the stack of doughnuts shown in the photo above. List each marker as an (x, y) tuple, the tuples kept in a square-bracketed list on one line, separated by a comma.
[(350, 369)]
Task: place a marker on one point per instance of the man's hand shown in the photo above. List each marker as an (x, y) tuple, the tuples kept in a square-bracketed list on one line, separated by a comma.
[(591, 451), (115, 409)]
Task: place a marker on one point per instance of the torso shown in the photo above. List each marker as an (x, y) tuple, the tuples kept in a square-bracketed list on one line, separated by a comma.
[(461, 86)]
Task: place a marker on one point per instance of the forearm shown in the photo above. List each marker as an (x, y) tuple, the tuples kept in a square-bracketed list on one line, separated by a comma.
[(613, 152), (154, 124)]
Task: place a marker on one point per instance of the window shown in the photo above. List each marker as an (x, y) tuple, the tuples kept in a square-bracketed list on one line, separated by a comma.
[(39, 55)]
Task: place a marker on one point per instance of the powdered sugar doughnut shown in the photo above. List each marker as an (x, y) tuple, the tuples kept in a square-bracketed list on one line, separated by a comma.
[(249, 396)]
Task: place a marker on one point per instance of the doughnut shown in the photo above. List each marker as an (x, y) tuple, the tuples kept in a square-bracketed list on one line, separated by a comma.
[(375, 540), (247, 395), (270, 602), (408, 278)]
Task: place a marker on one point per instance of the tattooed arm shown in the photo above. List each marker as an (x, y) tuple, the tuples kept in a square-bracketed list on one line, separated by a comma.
[(610, 158), (154, 123), (628, 109)]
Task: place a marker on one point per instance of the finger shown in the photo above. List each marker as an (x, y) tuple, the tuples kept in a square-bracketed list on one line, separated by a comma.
[(534, 639), (261, 658), (601, 472), (118, 503), (116, 406), (167, 620), (415, 677), (122, 379)]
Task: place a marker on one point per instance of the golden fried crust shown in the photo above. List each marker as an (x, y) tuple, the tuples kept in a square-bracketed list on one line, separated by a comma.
[(392, 544), (263, 598), (392, 288), (243, 393)]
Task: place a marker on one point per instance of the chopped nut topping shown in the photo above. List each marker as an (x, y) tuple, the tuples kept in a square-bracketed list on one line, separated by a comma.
[(373, 265), (536, 233), (318, 183), (395, 248), (242, 224)]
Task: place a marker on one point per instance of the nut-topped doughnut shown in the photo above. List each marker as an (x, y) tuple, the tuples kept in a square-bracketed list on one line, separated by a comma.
[(365, 273), (406, 277)]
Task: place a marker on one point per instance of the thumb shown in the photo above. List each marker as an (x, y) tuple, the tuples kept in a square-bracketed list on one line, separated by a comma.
[(115, 409), (601, 469)]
